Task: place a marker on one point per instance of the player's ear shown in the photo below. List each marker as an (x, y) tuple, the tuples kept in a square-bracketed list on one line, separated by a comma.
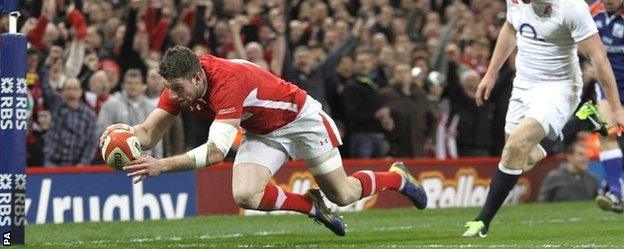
[(198, 77)]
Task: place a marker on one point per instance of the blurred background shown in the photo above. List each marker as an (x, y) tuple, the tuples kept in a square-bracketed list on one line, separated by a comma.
[(401, 83)]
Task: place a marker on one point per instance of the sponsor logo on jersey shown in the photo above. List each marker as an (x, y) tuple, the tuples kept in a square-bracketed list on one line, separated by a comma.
[(227, 111)]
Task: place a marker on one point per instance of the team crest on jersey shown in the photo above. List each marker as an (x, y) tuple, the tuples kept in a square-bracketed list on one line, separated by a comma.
[(618, 30), (528, 31)]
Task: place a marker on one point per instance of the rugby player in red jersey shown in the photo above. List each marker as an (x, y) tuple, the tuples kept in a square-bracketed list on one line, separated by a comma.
[(281, 122)]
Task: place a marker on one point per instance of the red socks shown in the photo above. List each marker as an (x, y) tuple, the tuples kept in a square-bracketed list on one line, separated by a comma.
[(275, 198), (374, 182)]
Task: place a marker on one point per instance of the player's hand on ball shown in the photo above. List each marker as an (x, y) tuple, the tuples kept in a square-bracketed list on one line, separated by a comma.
[(484, 89), (143, 167), (115, 127)]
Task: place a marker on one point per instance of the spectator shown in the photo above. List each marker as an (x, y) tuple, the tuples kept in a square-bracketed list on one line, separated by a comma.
[(411, 113), (72, 139), (130, 106), (367, 116), (113, 72), (335, 90), (99, 91), (253, 51), (134, 44), (303, 72), (571, 181), (474, 130), (477, 55), (40, 119), (386, 61)]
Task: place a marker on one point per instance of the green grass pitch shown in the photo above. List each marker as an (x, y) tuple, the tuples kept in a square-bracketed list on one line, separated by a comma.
[(560, 225)]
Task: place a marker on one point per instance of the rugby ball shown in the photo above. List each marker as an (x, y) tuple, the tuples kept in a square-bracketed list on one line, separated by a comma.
[(119, 148)]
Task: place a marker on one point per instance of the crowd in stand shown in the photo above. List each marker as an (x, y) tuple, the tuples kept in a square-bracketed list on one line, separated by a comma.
[(398, 76)]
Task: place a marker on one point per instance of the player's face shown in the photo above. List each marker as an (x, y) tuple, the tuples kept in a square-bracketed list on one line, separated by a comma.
[(184, 91), (613, 5)]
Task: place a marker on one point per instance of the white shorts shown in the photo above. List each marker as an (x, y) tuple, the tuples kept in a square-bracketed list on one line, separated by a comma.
[(312, 134), (551, 105)]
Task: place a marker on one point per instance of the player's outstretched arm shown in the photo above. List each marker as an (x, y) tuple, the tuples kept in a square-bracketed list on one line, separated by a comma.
[(153, 128), (505, 45), (593, 49), (220, 139)]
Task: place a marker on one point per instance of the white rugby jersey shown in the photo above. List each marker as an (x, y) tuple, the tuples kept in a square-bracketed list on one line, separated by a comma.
[(547, 32)]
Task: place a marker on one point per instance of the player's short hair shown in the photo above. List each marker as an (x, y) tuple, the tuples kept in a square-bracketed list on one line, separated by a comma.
[(133, 73), (178, 62)]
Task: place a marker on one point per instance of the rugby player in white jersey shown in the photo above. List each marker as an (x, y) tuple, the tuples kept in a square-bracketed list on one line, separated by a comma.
[(546, 89)]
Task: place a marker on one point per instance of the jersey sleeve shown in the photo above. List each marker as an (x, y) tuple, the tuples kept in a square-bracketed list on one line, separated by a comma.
[(227, 98), (579, 20), (166, 104), (596, 7)]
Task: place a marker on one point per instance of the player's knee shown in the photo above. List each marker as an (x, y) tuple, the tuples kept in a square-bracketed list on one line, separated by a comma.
[(515, 154), (248, 198), (516, 148)]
